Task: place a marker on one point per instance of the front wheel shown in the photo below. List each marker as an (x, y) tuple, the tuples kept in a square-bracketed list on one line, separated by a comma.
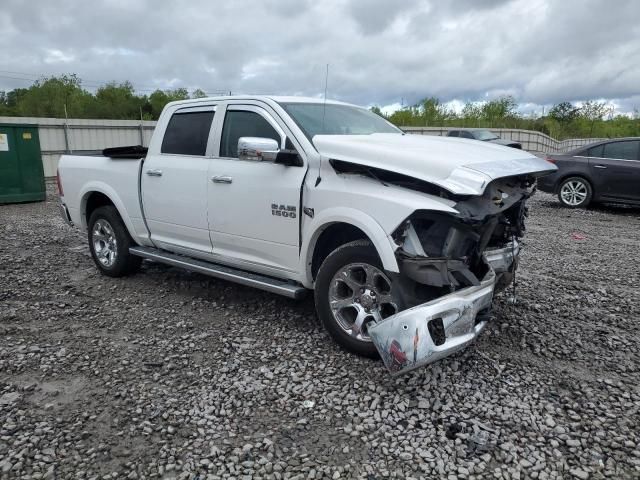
[(352, 292), (575, 192), (109, 242)]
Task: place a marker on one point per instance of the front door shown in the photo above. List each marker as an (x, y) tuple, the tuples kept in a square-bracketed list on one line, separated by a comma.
[(175, 182), (615, 168), (254, 206)]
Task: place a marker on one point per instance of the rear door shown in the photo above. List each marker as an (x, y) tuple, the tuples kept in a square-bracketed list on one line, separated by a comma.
[(254, 206), (175, 182), (615, 169)]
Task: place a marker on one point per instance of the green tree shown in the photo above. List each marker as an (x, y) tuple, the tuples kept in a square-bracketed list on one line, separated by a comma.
[(593, 111), (471, 114), (117, 101), (565, 114), (433, 113), (48, 97), (160, 98), (497, 111), (198, 93)]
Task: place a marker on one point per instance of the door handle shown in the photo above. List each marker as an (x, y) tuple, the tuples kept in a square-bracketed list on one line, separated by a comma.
[(222, 179), (599, 166), (154, 173)]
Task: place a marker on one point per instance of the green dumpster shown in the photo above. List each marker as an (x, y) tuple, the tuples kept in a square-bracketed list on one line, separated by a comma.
[(21, 174)]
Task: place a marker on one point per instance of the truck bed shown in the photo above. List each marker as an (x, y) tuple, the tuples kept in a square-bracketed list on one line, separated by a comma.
[(119, 180)]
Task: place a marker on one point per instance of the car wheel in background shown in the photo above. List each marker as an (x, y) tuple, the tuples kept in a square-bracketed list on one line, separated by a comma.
[(575, 192), (109, 242)]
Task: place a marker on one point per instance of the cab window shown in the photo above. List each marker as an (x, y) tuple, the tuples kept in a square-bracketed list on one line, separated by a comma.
[(239, 123), (187, 133)]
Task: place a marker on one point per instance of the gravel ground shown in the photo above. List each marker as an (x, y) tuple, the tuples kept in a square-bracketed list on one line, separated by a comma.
[(168, 374)]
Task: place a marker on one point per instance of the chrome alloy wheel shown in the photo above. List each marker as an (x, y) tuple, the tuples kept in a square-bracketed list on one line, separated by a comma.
[(360, 293), (574, 192), (105, 244)]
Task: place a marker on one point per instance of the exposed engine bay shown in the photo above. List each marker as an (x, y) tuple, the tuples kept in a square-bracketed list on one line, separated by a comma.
[(440, 253), (450, 266)]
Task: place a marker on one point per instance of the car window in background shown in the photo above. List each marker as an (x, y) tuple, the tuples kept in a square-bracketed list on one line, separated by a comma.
[(622, 150), (485, 135), (465, 134), (452, 133), (238, 123), (187, 133), (595, 151)]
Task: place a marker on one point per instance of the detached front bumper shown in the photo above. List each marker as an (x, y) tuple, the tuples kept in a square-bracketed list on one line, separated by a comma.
[(436, 329)]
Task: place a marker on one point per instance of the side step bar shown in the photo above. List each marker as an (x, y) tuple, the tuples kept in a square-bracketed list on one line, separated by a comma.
[(273, 285)]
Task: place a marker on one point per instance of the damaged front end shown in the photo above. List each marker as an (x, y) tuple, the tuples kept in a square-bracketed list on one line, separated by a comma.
[(450, 268)]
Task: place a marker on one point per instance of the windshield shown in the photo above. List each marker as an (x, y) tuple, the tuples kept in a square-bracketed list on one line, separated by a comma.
[(484, 135), (331, 119)]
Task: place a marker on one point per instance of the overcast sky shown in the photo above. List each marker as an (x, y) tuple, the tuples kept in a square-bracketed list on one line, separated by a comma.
[(380, 52)]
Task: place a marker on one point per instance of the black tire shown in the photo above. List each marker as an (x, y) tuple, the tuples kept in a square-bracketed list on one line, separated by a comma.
[(582, 185), (123, 262), (356, 252)]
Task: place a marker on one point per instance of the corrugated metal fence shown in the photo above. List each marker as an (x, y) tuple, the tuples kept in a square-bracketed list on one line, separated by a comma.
[(531, 140), (58, 136)]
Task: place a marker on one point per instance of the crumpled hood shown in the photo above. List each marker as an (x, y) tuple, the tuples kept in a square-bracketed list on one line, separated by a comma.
[(461, 166)]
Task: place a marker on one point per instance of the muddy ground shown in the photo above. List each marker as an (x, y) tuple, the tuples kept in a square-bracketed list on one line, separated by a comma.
[(168, 374)]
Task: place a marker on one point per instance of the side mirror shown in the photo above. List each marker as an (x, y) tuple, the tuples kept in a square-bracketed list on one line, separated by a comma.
[(289, 158), (257, 149), (260, 149)]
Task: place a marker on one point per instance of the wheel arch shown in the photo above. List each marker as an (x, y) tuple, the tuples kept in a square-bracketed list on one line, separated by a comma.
[(331, 230), (98, 195)]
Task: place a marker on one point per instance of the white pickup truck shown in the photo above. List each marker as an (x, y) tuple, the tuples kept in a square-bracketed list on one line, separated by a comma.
[(403, 238)]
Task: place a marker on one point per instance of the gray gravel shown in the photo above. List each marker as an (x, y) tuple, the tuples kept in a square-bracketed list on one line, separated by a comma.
[(168, 374)]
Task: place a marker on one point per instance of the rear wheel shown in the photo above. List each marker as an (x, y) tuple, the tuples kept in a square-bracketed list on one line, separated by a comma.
[(352, 292), (575, 192), (109, 242)]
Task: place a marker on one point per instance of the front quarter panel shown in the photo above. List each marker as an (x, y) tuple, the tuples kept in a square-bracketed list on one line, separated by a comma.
[(365, 203)]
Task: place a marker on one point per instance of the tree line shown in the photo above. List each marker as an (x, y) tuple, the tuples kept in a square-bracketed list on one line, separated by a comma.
[(563, 120), (60, 96)]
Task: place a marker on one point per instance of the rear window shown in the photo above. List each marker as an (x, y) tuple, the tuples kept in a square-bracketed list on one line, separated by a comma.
[(622, 150), (595, 151), (187, 133)]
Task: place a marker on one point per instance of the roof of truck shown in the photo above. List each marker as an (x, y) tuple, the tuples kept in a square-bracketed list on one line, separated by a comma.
[(275, 98)]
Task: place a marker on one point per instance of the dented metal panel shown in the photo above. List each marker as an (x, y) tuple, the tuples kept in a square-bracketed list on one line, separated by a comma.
[(438, 328), (405, 341)]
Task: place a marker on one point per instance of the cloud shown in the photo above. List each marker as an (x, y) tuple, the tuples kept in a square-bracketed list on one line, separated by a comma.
[(379, 52)]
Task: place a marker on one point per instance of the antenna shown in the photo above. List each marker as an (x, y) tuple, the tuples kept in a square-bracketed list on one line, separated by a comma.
[(324, 111)]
